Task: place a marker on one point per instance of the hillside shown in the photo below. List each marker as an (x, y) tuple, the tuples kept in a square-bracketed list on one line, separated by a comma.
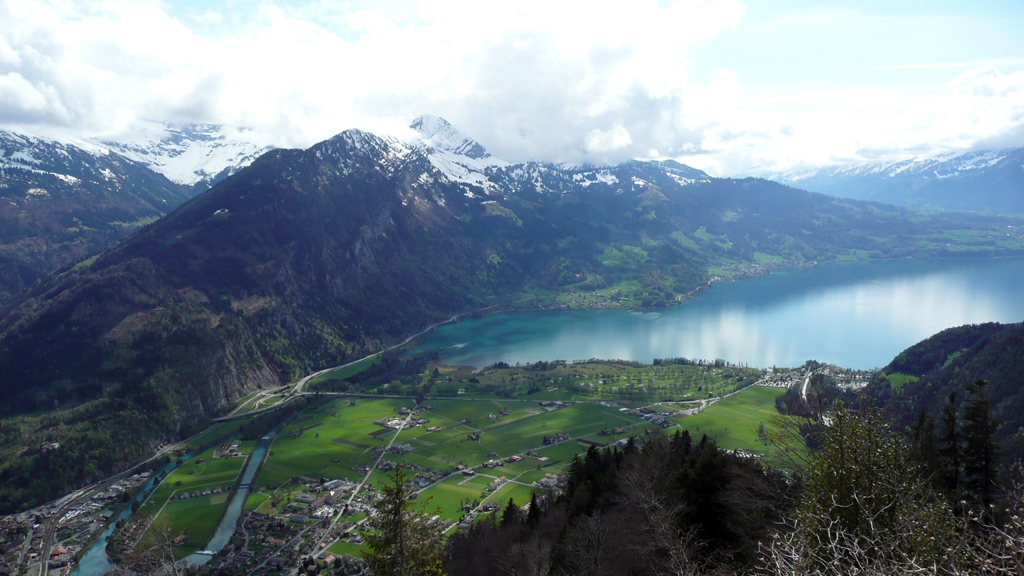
[(308, 258), (60, 203), (925, 374)]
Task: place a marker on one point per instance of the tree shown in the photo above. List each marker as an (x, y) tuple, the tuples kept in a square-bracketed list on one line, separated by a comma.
[(949, 445), (866, 506), (533, 514), (981, 452), (401, 539), (510, 515), (924, 444)]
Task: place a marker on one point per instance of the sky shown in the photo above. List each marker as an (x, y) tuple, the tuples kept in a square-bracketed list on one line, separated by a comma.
[(729, 86)]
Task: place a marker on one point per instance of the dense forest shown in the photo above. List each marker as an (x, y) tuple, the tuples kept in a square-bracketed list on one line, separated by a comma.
[(929, 381)]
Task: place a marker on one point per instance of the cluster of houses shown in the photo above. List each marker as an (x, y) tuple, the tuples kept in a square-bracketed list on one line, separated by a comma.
[(21, 535), (396, 448), (229, 450), (845, 379), (551, 482), (399, 422), (492, 417), (345, 564), (185, 494), (269, 536), (550, 405), (558, 437), (653, 416)]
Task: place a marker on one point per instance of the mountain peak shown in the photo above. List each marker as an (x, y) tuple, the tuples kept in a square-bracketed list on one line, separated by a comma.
[(438, 133), (190, 154)]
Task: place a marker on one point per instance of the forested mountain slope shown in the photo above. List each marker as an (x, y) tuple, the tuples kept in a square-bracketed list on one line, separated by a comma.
[(60, 203), (947, 363)]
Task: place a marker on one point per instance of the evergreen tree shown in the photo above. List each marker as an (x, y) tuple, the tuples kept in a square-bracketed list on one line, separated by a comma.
[(949, 446), (399, 541), (865, 502), (533, 514), (982, 453), (924, 444), (510, 515)]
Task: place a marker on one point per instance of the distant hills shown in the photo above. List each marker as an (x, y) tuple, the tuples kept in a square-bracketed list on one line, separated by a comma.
[(924, 375), (307, 258), (983, 181)]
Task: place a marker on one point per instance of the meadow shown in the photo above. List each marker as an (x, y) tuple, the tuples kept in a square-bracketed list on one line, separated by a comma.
[(337, 441), (734, 421), (197, 516)]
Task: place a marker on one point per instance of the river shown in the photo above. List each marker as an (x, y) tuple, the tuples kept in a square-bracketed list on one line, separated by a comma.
[(96, 562), (856, 315)]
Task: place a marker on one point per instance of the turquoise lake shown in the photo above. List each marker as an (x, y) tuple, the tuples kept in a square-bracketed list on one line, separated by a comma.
[(855, 315)]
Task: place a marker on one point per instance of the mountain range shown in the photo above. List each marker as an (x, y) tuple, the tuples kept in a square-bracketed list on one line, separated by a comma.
[(60, 203), (307, 258), (983, 181), (194, 155)]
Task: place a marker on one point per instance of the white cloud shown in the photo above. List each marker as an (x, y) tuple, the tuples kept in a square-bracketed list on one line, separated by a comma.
[(615, 138), (594, 81)]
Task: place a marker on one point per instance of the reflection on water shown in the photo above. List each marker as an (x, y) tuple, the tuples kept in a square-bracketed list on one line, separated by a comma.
[(858, 315)]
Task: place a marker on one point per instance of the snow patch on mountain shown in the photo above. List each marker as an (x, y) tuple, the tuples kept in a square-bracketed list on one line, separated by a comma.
[(190, 154), (937, 166), (460, 158)]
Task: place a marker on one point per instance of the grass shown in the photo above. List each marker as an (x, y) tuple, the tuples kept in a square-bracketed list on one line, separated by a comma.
[(190, 476), (449, 494), (347, 371), (255, 500), (519, 494), (308, 448), (196, 516), (222, 430), (339, 548), (898, 379), (733, 422)]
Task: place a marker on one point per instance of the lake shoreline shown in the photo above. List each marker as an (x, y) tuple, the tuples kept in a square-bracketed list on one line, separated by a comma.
[(874, 299)]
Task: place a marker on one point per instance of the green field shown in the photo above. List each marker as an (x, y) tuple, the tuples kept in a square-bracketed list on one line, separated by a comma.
[(313, 447), (733, 422), (198, 515), (346, 372), (213, 472), (222, 430), (898, 379)]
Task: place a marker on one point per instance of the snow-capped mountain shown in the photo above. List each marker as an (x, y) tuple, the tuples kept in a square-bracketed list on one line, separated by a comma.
[(457, 156), (197, 155), (465, 161), (990, 180), (60, 202)]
